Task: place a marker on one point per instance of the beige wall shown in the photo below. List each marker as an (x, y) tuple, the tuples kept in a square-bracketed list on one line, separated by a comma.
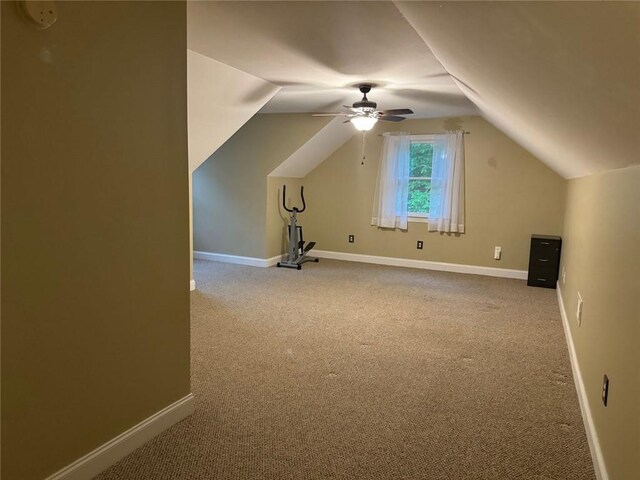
[(95, 245), (601, 255), (220, 100), (230, 188), (509, 196)]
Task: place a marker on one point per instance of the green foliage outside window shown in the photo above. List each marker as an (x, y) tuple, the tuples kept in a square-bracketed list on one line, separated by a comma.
[(419, 192), (420, 177)]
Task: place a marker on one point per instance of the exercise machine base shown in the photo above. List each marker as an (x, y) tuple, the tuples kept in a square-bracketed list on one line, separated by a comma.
[(297, 265)]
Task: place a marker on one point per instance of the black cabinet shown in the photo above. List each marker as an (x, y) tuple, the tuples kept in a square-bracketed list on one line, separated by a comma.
[(544, 261)]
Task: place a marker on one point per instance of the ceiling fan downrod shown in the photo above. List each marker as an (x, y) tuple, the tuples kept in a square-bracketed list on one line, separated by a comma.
[(365, 103)]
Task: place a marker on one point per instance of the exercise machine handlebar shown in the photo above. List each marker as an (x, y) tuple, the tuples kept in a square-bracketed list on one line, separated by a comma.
[(284, 200)]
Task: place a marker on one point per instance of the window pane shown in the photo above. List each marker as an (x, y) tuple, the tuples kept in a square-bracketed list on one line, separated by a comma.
[(421, 157), (419, 191)]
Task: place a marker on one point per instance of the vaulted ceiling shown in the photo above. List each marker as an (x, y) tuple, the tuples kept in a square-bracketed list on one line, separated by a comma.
[(318, 51), (560, 78)]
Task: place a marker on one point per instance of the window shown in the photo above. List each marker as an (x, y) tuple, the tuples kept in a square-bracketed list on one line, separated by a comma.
[(420, 179), (420, 175)]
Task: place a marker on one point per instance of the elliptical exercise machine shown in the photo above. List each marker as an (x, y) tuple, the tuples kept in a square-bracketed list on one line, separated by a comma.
[(297, 254)]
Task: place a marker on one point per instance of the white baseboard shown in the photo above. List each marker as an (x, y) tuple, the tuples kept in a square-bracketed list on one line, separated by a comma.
[(251, 261), (111, 452), (355, 257), (592, 434), (423, 264), (192, 285)]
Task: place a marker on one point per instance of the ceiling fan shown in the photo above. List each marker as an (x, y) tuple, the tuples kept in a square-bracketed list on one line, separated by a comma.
[(364, 114)]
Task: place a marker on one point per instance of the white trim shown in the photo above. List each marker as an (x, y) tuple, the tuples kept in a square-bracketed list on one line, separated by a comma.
[(592, 434), (423, 264), (192, 285), (423, 138), (223, 257), (111, 452)]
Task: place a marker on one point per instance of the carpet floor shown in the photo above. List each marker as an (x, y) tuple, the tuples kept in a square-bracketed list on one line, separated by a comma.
[(356, 371)]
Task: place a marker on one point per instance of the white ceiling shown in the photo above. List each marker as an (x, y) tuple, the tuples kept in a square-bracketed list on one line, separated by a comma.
[(318, 51), (315, 151), (214, 114), (560, 78)]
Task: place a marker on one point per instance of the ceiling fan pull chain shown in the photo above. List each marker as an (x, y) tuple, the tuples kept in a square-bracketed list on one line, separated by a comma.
[(364, 134)]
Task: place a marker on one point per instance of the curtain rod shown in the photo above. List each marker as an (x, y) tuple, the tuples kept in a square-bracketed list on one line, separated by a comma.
[(429, 133)]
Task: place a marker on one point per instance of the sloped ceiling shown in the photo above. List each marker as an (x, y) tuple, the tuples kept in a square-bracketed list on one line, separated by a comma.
[(319, 147), (560, 78), (220, 100), (318, 51)]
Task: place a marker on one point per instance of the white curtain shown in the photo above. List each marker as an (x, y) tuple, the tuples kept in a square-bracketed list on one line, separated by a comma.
[(446, 209), (392, 187)]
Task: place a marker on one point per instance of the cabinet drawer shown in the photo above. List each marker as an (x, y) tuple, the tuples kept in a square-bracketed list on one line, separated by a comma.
[(546, 265), (542, 280), (545, 242), (545, 248)]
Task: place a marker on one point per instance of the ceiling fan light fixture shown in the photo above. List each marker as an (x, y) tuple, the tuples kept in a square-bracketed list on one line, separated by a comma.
[(364, 123), (363, 114)]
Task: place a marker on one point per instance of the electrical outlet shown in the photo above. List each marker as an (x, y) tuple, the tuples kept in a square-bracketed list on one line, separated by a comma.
[(605, 390), (420, 245), (352, 239), (564, 275), (579, 310), (497, 253)]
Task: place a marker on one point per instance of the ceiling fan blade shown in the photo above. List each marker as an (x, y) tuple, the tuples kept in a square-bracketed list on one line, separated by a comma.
[(398, 111), (391, 118), (352, 109), (328, 114)]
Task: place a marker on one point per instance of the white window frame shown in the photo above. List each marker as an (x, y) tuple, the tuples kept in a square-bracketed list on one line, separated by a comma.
[(417, 217)]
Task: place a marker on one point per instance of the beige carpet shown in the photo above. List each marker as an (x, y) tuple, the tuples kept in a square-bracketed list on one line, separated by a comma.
[(354, 371)]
